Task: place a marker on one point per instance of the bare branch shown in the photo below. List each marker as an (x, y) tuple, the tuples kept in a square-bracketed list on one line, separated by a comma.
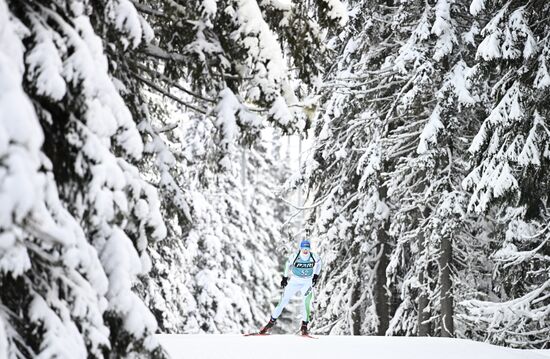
[(317, 204)]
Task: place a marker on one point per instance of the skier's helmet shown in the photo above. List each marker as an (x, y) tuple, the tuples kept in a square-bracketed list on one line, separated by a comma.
[(305, 244)]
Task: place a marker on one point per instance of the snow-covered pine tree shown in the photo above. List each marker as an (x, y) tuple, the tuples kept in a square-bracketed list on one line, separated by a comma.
[(345, 174), (91, 141), (390, 150), (509, 179), (427, 147), (53, 285)]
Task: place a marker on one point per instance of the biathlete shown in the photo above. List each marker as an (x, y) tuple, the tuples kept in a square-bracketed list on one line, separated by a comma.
[(303, 268)]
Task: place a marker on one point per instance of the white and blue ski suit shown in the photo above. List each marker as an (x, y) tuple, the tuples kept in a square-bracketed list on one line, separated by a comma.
[(301, 270)]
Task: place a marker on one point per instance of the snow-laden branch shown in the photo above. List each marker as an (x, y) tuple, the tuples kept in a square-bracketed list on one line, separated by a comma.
[(175, 84), (168, 94), (526, 314)]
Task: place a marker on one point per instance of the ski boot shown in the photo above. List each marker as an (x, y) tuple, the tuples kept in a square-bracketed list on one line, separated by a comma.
[(268, 326), (303, 329)]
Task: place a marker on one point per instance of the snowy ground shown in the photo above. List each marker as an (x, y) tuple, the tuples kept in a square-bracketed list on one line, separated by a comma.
[(331, 347)]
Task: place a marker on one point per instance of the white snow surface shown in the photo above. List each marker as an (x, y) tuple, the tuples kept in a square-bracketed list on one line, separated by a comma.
[(215, 346)]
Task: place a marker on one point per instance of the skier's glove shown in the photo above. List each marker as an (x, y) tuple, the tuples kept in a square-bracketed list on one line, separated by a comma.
[(284, 282), (315, 278)]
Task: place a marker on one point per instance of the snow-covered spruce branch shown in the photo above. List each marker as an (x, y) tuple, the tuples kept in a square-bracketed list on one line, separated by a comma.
[(167, 128), (372, 90), (509, 255), (158, 75), (159, 53), (148, 10), (511, 258), (166, 93), (514, 316)]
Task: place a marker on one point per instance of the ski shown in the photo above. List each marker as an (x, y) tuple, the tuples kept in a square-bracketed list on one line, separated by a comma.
[(255, 335), (267, 334), (305, 335)]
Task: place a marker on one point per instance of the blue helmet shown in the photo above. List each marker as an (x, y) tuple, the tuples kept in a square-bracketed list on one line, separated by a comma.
[(305, 244)]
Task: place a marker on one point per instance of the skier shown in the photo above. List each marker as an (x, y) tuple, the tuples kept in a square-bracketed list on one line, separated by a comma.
[(304, 268)]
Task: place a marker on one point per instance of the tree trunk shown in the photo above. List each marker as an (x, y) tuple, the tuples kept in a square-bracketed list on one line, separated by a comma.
[(422, 326), (446, 295), (381, 298), (423, 316), (356, 314)]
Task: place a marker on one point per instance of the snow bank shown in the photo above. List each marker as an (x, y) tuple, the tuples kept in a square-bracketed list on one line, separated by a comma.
[(208, 346)]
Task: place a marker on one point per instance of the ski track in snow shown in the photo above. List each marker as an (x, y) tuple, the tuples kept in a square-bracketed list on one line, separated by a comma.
[(235, 346)]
